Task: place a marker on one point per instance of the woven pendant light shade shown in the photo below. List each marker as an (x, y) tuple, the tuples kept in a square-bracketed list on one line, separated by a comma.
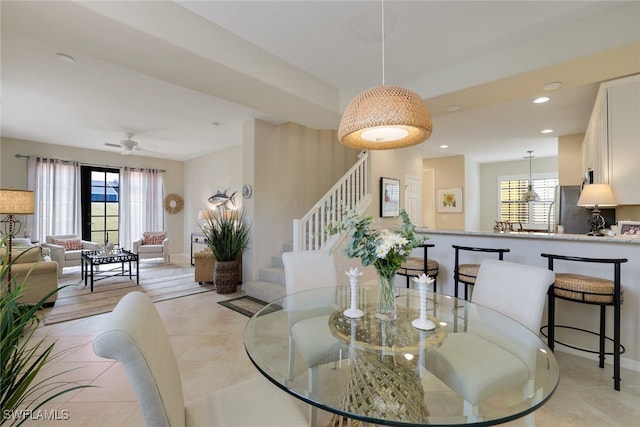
[(385, 106)]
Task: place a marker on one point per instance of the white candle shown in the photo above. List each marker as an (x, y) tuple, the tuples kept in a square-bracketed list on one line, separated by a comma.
[(423, 323), (353, 312)]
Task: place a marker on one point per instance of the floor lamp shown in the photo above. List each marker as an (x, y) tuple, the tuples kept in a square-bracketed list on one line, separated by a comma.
[(12, 203)]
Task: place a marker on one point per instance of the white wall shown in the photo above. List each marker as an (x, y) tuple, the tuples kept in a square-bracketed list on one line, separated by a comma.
[(392, 164), (290, 167), (489, 173), (472, 195), (203, 177)]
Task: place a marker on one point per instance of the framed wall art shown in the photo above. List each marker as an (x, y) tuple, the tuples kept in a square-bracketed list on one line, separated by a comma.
[(629, 228), (389, 197), (449, 200)]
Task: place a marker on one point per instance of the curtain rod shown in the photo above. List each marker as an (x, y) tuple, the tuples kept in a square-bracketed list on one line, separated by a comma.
[(22, 156)]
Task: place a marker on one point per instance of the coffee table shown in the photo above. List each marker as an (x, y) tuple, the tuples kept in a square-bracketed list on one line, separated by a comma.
[(89, 260)]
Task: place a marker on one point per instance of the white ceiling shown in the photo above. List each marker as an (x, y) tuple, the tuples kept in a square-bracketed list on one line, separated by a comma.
[(183, 76)]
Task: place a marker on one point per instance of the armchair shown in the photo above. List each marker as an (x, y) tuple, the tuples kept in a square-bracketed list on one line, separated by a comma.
[(66, 249), (152, 244), (152, 368), (469, 361), (304, 270)]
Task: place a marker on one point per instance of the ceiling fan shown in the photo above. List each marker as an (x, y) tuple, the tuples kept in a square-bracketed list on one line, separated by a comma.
[(129, 146)]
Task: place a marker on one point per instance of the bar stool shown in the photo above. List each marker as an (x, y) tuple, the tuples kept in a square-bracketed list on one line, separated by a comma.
[(589, 290), (467, 273), (415, 266)]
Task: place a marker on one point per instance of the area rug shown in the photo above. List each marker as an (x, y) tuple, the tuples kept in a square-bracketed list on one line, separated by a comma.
[(246, 305), (160, 281)]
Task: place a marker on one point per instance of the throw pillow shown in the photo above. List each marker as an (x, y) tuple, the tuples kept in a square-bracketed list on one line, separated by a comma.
[(21, 242), (153, 238), (68, 244)]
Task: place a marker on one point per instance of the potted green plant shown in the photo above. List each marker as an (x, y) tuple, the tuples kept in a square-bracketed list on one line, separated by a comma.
[(227, 235), (23, 356)]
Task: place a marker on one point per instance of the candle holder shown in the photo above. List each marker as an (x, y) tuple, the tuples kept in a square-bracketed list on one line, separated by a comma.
[(423, 323), (353, 312)]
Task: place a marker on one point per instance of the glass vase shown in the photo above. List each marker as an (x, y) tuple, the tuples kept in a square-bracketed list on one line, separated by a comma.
[(386, 305)]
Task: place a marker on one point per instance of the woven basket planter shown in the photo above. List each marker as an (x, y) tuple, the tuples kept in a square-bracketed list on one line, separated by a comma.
[(226, 276)]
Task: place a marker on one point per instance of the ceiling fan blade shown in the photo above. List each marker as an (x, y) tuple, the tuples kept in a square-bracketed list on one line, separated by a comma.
[(111, 144)]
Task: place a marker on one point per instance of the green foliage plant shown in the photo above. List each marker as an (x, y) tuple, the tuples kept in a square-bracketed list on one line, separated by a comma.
[(22, 355), (385, 249), (226, 233)]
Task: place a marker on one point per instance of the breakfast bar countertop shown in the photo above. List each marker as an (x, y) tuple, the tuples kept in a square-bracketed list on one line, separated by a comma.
[(527, 247), (535, 235)]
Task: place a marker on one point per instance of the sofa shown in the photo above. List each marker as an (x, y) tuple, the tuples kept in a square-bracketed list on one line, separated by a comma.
[(152, 244), (39, 274), (67, 248)]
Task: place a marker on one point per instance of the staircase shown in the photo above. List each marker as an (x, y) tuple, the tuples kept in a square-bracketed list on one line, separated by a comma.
[(351, 192), (270, 283)]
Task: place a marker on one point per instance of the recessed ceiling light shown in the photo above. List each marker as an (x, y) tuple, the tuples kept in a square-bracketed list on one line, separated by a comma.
[(546, 131), (444, 146), (541, 100), (552, 85), (452, 108), (65, 58)]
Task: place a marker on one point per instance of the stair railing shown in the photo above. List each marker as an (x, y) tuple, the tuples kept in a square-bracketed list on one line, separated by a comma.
[(350, 192)]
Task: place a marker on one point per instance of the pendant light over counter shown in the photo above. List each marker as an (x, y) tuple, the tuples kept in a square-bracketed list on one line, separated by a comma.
[(530, 195), (385, 117)]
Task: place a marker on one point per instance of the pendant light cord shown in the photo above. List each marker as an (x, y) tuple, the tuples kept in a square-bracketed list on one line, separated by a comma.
[(383, 42)]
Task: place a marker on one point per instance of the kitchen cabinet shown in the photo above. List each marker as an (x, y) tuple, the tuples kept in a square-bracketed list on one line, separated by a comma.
[(595, 147), (623, 127), (611, 147)]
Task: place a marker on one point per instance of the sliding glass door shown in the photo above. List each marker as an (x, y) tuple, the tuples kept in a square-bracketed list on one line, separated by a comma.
[(100, 189)]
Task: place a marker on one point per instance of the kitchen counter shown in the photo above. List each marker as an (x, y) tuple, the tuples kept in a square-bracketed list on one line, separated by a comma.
[(536, 235), (526, 247)]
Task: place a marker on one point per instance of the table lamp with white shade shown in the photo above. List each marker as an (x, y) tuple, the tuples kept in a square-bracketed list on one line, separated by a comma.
[(15, 202), (596, 196)]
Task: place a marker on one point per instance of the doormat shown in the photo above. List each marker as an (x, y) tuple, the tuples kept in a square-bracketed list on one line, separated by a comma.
[(247, 305)]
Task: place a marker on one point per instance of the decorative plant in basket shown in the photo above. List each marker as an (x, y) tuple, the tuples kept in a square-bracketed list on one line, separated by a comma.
[(227, 235)]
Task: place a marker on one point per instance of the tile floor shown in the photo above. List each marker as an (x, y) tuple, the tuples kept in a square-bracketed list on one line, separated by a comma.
[(207, 339)]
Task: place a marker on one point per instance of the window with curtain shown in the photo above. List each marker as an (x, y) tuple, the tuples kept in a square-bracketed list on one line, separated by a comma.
[(532, 215), (141, 203), (56, 186)]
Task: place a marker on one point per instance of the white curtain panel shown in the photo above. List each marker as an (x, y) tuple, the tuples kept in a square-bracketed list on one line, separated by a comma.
[(56, 184), (141, 204)]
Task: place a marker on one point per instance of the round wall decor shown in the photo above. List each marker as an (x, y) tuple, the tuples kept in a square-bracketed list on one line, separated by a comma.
[(247, 191), (173, 203)]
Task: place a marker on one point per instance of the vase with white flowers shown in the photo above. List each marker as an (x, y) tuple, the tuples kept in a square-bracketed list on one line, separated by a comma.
[(385, 249)]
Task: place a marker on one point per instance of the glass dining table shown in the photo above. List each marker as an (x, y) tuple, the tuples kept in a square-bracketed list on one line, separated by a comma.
[(476, 367)]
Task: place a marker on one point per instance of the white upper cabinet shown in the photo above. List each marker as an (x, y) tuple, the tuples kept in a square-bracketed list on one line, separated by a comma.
[(595, 155), (623, 127), (612, 141)]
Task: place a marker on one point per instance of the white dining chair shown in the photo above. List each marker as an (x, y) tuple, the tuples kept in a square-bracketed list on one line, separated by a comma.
[(134, 335), (309, 318), (484, 361)]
